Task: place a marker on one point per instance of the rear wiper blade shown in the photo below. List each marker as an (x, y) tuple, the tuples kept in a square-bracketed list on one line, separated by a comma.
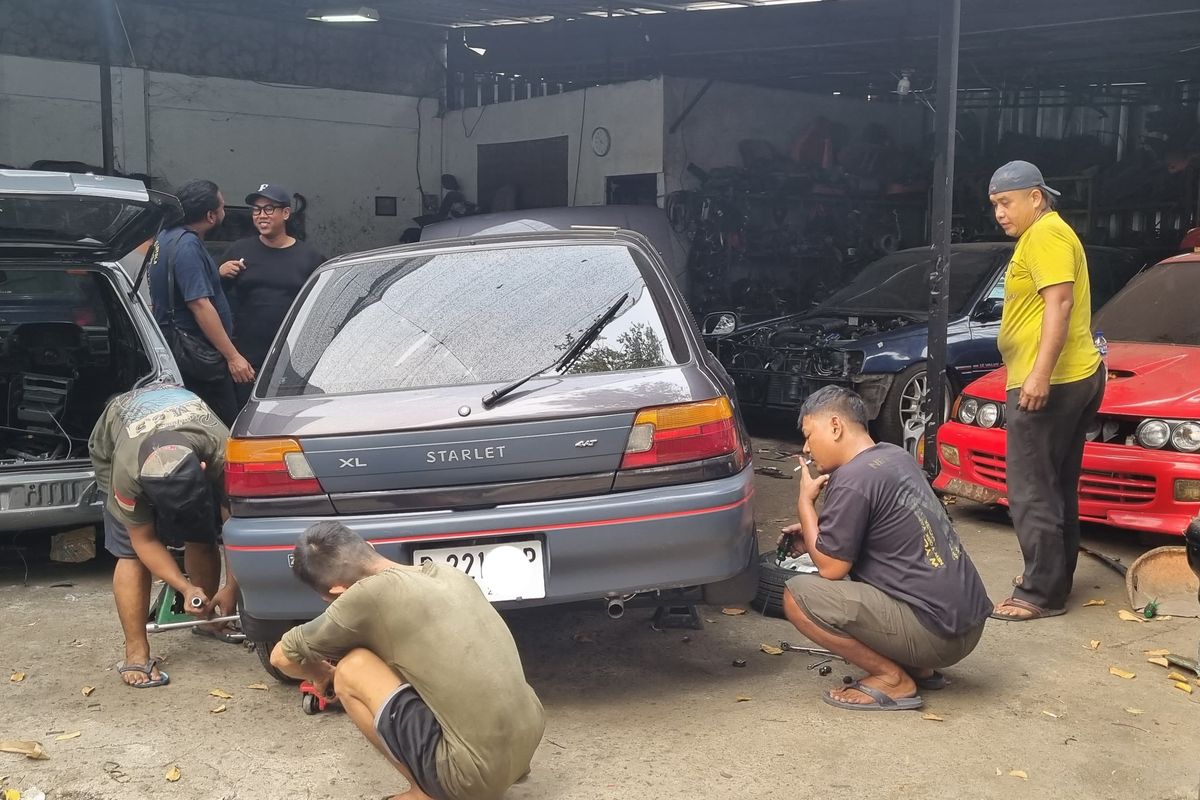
[(563, 362)]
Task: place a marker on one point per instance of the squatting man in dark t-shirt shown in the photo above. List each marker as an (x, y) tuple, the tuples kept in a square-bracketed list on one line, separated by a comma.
[(426, 668), (914, 602)]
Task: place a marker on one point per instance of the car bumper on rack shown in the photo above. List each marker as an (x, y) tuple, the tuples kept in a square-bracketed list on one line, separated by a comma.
[(611, 545), (1122, 486)]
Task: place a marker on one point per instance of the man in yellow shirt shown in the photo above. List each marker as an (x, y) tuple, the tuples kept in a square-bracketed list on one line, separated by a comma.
[(1055, 383)]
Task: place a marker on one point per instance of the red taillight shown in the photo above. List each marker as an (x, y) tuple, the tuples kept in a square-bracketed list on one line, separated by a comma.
[(84, 316), (268, 468), (682, 433)]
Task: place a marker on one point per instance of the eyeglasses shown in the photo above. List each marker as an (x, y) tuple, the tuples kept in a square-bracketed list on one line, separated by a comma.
[(264, 211)]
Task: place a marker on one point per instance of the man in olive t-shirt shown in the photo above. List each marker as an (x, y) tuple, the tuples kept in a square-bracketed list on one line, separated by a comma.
[(159, 456), (1055, 385), (426, 668)]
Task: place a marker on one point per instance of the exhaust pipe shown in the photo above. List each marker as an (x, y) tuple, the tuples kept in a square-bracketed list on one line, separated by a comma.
[(615, 607)]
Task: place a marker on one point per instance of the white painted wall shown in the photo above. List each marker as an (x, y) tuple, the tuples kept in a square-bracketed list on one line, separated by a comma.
[(338, 148), (632, 113), (730, 112)]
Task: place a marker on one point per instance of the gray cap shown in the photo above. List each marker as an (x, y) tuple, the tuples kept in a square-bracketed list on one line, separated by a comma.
[(1018, 175)]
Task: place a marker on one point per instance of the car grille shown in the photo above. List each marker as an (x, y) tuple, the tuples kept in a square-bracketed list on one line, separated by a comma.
[(1121, 488)]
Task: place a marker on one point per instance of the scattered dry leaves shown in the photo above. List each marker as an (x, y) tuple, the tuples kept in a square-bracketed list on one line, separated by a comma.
[(1161, 662), (733, 612), (1091, 603), (1094, 644), (221, 694), (16, 677), (741, 698), (173, 774), (771, 649), (1157, 653), (1019, 773), (1177, 676), (67, 736), (1137, 712), (87, 690), (1183, 687), (218, 710), (1051, 714), (1121, 673), (261, 687), (933, 718), (11, 794), (1129, 616)]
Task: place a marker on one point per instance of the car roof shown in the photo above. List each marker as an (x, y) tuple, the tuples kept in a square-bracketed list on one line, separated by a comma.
[(650, 221)]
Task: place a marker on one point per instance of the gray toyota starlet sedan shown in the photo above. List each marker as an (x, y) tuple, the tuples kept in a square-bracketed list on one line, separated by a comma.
[(536, 409)]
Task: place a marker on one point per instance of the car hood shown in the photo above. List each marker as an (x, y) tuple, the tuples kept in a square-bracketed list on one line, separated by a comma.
[(1143, 380), (58, 216)]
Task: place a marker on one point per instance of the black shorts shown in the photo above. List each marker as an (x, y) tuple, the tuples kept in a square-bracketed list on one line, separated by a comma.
[(116, 535), (412, 734)]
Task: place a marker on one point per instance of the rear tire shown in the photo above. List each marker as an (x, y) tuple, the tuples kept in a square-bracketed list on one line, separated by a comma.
[(264, 657)]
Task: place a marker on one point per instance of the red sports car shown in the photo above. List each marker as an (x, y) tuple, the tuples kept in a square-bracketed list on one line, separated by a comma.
[(1141, 463)]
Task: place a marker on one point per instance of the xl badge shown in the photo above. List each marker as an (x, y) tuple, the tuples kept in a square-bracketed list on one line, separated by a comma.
[(351, 463)]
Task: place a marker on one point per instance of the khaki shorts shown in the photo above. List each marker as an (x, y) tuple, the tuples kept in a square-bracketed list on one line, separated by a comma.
[(886, 625)]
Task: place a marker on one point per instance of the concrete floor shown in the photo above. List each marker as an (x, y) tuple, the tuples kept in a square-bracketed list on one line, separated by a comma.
[(633, 713)]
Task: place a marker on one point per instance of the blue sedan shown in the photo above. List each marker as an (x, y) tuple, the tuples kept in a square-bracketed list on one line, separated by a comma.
[(873, 335)]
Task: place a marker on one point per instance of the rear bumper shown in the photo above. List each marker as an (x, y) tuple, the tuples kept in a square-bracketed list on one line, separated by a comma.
[(615, 544), (1122, 486), (50, 498)]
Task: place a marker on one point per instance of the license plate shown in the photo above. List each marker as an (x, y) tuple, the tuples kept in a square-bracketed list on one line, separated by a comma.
[(971, 491), (505, 571), (43, 495)]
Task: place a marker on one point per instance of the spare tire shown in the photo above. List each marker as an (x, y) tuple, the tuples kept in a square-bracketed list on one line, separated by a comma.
[(771, 580)]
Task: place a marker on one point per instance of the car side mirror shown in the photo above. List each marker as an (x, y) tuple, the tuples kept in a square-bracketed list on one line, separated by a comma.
[(990, 309), (721, 323)]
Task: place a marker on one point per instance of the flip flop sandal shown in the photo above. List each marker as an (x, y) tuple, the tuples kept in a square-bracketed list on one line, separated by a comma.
[(146, 669), (882, 701), (224, 635), (932, 683), (1036, 612)]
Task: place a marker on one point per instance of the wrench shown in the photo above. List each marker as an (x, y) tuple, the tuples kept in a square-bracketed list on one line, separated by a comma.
[(812, 651)]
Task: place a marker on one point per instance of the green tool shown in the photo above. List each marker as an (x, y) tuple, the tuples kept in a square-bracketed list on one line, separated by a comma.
[(1151, 609)]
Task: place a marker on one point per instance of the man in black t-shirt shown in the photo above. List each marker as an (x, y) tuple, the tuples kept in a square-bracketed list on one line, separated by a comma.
[(914, 602), (267, 272)]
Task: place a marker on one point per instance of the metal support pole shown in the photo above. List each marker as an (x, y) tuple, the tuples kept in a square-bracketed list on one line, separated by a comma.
[(104, 8), (943, 205)]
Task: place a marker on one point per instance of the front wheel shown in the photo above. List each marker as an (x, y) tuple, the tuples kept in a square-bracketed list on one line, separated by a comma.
[(901, 421)]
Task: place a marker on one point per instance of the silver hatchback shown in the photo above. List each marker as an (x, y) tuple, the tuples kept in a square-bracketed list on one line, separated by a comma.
[(73, 332), (537, 410)]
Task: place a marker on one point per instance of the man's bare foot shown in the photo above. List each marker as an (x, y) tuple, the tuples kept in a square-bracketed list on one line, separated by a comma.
[(901, 688), (136, 671)]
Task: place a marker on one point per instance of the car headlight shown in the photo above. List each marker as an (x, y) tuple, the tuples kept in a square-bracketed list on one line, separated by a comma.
[(968, 410), (1186, 437), (1153, 433), (989, 415)]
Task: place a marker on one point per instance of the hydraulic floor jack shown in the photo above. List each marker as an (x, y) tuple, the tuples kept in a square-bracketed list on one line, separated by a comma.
[(167, 612)]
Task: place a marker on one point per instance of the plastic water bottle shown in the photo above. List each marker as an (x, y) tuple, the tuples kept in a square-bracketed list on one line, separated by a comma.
[(1101, 345)]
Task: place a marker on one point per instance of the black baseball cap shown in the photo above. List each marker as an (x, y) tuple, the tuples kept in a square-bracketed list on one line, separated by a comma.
[(273, 192), (174, 482)]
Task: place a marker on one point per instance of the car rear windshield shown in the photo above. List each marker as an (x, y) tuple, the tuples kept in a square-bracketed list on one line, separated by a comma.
[(74, 220), (1158, 306), (900, 282), (466, 317)]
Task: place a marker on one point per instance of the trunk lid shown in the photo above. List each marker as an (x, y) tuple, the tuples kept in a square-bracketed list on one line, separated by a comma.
[(66, 217)]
